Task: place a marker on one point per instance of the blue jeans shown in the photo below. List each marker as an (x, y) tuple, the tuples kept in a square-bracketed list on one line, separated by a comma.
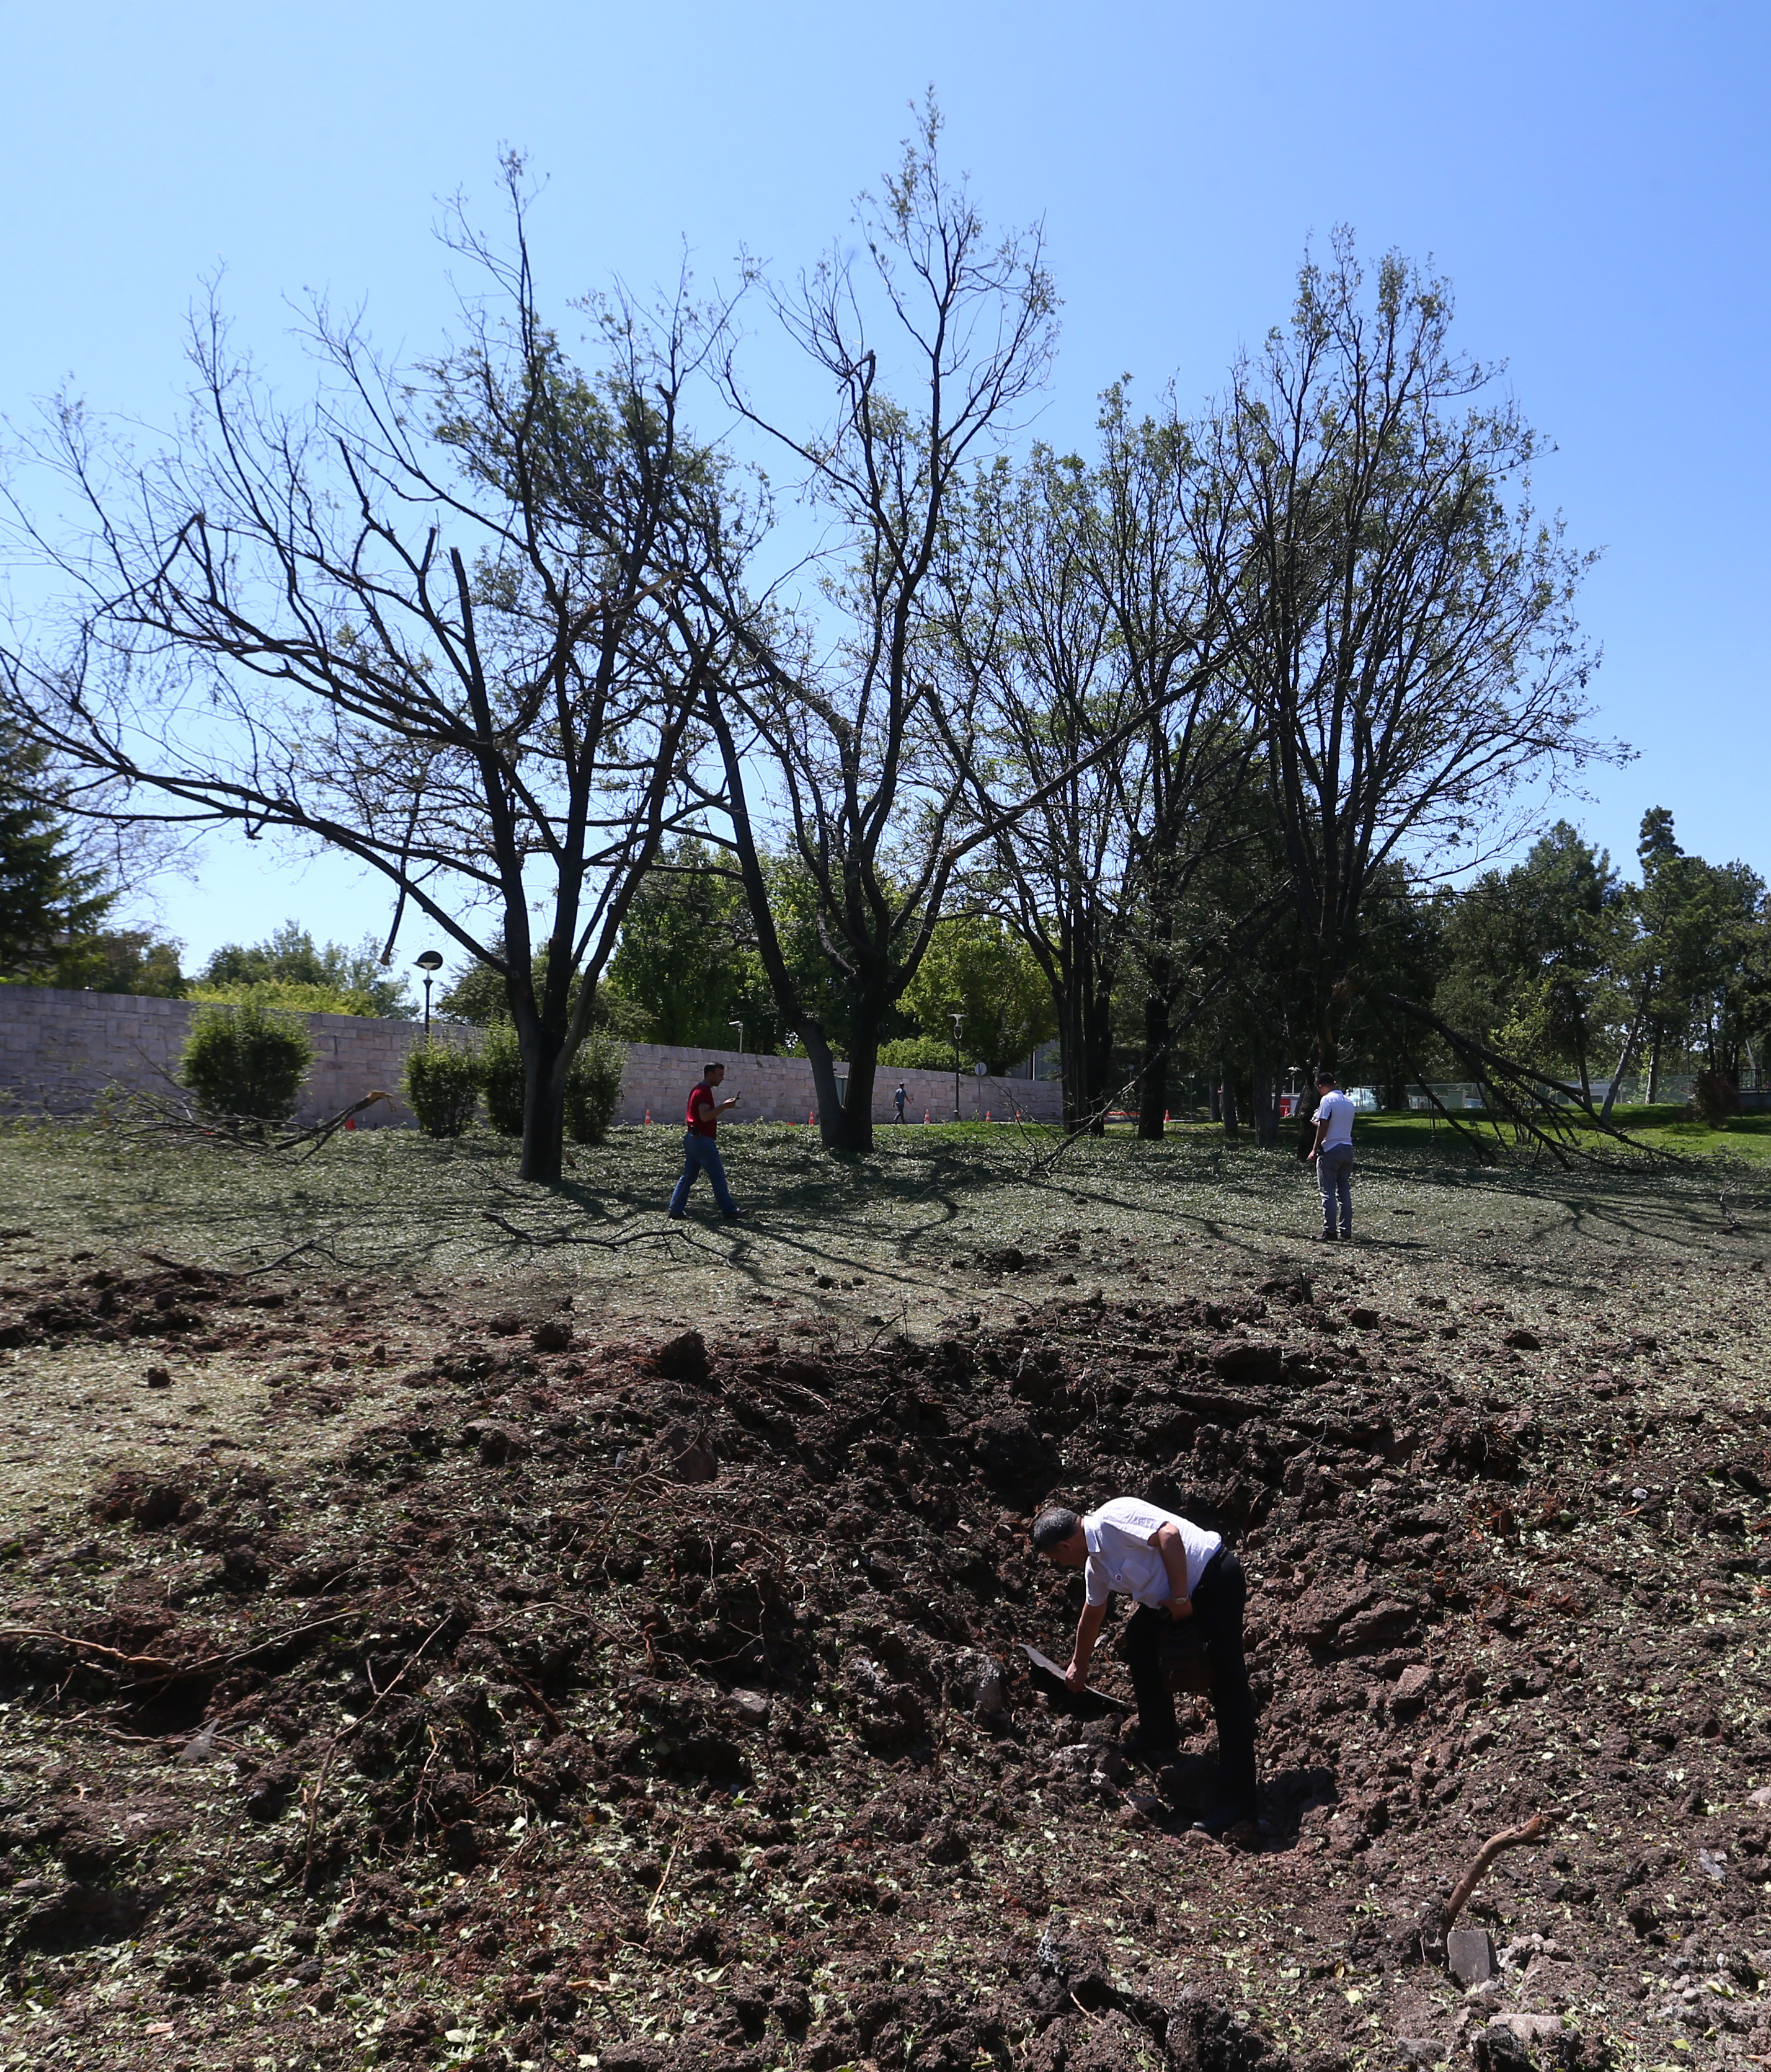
[(701, 1154), (1334, 1177)]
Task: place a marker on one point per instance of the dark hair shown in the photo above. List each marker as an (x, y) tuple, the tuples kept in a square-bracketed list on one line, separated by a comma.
[(1053, 1527), (1325, 1078), (707, 1069)]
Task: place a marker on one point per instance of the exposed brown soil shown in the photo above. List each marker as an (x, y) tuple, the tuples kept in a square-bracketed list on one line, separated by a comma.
[(634, 1702)]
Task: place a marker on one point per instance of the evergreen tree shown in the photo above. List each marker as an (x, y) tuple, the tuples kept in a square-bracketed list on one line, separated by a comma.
[(50, 904)]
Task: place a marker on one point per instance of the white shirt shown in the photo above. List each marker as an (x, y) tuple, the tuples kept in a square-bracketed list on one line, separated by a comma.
[(1337, 1111), (1121, 1557)]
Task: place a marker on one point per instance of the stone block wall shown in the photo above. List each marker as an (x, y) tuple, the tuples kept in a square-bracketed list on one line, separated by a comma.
[(658, 1078), (59, 1051)]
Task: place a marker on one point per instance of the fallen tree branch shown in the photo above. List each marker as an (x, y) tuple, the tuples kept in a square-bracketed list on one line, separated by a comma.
[(572, 1237), (1508, 1838)]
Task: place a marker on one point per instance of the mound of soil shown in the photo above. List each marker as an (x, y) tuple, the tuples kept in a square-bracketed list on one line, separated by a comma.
[(639, 1705)]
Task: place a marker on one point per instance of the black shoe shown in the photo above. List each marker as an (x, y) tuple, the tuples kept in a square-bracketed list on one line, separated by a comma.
[(674, 1215), (1325, 1237), (1233, 1813), (1151, 1745), (734, 1216)]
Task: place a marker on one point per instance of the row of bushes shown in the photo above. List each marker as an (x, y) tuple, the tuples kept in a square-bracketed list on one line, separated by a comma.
[(250, 1061), (445, 1081)]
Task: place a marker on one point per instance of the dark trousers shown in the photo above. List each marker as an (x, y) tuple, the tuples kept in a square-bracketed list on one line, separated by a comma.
[(1218, 1605)]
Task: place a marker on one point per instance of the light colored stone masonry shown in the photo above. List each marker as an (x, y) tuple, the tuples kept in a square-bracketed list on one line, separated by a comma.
[(59, 1051)]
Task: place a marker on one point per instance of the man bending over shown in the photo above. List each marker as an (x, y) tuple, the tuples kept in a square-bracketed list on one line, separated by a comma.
[(1172, 1569)]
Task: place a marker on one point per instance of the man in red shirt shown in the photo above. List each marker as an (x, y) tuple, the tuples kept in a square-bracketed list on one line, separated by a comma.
[(700, 1147)]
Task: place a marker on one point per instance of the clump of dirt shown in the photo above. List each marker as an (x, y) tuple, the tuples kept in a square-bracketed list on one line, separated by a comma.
[(662, 1703)]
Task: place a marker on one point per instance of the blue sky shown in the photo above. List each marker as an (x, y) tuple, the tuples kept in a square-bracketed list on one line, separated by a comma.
[(1592, 178)]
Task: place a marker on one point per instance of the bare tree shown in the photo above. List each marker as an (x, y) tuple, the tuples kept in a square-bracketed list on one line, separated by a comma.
[(1404, 637), (824, 715), (421, 622), (1079, 622)]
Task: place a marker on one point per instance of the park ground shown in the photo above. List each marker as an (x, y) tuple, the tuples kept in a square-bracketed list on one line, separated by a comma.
[(453, 1622)]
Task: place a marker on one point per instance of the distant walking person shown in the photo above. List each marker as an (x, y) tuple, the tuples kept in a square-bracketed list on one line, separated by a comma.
[(898, 1100), (700, 1149), (1332, 1152)]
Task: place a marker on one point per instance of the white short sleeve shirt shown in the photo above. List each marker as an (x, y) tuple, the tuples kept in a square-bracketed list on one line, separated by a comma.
[(1122, 1560), (1337, 1111)]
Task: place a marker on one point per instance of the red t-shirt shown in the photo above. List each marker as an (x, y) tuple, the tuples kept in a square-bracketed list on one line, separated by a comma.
[(703, 1114)]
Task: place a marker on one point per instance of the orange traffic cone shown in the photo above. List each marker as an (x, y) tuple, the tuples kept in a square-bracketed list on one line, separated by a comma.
[(1167, 1114), (350, 1122), (987, 1116), (648, 1115), (810, 1118), (925, 1115)]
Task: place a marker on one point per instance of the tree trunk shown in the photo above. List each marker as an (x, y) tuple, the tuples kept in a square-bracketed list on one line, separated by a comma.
[(1153, 1072), (855, 1122), (1653, 1068), (1227, 1103), (544, 1104), (1264, 1103)]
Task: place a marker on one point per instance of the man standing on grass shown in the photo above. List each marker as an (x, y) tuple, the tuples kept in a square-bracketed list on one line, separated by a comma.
[(1173, 1570), (898, 1100), (700, 1147), (1333, 1152)]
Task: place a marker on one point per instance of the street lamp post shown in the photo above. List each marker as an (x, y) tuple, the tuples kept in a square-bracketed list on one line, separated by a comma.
[(957, 1020), (739, 1027), (430, 963)]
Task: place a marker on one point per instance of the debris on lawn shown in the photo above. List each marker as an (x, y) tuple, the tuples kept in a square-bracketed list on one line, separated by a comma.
[(666, 1702)]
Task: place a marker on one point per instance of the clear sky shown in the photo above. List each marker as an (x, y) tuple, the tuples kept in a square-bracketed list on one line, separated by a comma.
[(1592, 178)]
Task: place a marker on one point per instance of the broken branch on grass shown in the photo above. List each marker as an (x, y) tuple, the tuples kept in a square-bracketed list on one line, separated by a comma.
[(1508, 1838), (282, 1259), (542, 1238), (657, 1898)]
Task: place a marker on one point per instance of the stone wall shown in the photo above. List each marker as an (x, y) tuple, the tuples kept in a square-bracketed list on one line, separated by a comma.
[(658, 1078), (59, 1051)]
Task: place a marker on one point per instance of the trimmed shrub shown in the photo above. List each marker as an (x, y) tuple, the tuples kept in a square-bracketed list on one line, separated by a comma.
[(1715, 1098), (442, 1086), (501, 1080), (593, 1084), (593, 1088), (249, 1061)]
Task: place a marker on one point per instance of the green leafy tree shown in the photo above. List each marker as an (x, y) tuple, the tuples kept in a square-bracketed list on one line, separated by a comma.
[(1701, 956), (1537, 957), (686, 968), (977, 968), (306, 975), (139, 960)]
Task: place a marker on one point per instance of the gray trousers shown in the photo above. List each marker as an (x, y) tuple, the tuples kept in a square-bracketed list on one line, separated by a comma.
[(1334, 1177)]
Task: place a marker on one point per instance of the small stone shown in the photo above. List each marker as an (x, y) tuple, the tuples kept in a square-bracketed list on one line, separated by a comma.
[(497, 1441), (686, 1454), (1415, 1685), (752, 1706), (683, 1358), (1529, 2029), (1761, 1797), (1469, 1956), (1362, 1319), (1146, 1804), (159, 1378), (1523, 1341), (1421, 2050), (200, 1748), (1713, 1867), (505, 1325)]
